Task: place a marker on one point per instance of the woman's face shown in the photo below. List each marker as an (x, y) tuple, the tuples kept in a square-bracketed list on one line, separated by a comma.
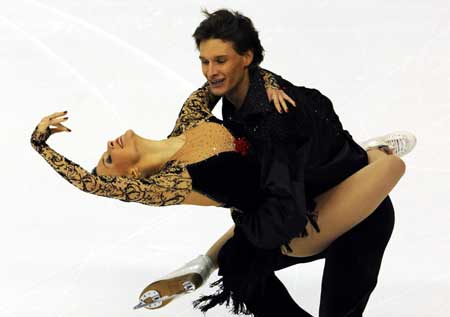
[(120, 157)]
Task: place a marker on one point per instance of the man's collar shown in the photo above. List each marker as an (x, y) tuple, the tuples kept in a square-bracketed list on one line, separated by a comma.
[(256, 101)]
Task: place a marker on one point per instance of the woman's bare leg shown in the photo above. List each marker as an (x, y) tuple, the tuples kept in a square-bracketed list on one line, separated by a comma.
[(350, 202), (343, 206), (213, 251)]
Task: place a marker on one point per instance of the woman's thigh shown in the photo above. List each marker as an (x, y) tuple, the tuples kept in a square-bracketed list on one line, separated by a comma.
[(347, 204), (367, 239)]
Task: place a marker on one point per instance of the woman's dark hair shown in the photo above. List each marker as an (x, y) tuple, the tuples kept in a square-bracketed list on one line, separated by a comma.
[(234, 27)]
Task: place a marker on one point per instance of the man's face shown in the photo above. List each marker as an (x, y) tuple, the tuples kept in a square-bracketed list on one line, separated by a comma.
[(222, 66)]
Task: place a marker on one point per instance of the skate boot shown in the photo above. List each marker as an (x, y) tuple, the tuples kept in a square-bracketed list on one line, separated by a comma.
[(182, 281), (401, 142)]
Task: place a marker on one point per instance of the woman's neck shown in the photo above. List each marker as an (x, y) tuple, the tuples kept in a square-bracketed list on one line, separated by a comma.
[(154, 154)]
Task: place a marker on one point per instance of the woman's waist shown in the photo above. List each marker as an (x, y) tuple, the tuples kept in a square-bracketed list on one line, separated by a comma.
[(229, 178)]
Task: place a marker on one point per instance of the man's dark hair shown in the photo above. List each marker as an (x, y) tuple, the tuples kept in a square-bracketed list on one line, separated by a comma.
[(234, 27)]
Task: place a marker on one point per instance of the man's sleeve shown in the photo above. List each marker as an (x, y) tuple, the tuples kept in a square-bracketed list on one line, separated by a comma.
[(284, 210)]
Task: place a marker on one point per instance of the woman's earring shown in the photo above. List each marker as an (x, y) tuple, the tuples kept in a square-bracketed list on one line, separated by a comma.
[(136, 173)]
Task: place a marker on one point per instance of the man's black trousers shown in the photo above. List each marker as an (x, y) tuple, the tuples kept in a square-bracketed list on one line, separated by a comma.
[(352, 264)]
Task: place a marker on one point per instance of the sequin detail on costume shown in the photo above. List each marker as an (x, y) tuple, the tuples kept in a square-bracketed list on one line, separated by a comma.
[(205, 140), (197, 108)]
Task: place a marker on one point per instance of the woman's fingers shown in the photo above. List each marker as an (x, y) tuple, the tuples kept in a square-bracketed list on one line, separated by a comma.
[(276, 102), (269, 93), (56, 130), (59, 125), (56, 115), (279, 98), (55, 121), (285, 96), (272, 96), (283, 103), (49, 119), (59, 128)]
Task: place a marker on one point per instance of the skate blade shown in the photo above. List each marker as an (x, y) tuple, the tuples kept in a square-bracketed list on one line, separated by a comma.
[(161, 293)]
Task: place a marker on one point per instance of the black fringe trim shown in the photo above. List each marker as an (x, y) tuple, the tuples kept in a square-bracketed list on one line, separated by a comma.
[(312, 218), (236, 288), (222, 296)]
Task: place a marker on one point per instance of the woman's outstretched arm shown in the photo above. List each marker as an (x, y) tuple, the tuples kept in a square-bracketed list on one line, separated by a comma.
[(169, 187)]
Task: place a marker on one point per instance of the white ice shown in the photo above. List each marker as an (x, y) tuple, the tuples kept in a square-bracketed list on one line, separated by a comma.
[(116, 64)]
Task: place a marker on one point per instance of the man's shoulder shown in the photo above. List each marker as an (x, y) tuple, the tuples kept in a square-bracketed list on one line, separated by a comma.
[(287, 85), (305, 95)]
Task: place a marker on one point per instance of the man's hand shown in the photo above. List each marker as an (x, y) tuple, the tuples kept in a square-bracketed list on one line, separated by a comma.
[(279, 99)]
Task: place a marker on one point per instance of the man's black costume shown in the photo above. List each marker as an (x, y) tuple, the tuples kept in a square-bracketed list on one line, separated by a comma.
[(301, 154)]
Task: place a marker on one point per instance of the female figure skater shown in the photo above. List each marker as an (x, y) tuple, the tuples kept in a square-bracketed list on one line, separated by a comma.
[(178, 170)]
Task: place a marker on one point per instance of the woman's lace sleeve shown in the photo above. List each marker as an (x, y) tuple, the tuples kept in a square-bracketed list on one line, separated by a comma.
[(169, 187), (195, 109), (269, 78)]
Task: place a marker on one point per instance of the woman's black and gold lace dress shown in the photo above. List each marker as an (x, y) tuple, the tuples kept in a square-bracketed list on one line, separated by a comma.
[(209, 169)]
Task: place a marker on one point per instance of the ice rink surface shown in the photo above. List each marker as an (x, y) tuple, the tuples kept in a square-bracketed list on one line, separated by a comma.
[(130, 64)]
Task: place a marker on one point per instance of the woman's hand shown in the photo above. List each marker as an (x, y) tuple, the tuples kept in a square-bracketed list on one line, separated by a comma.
[(53, 120), (49, 125), (279, 98)]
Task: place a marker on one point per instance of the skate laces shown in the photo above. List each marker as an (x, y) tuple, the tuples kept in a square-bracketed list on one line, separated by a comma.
[(398, 143)]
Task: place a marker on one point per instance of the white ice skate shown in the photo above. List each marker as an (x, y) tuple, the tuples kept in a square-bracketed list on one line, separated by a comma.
[(401, 142), (182, 281)]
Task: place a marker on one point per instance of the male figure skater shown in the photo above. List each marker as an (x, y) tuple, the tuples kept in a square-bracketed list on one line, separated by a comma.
[(230, 54)]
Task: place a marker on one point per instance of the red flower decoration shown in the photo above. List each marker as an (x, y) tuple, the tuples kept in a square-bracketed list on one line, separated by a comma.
[(241, 146)]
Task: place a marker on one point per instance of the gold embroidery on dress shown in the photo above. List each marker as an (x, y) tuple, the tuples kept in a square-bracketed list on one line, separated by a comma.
[(168, 187), (196, 108), (269, 79)]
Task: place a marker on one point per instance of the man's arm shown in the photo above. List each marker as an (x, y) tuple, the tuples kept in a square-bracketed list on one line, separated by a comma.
[(283, 211), (281, 144)]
